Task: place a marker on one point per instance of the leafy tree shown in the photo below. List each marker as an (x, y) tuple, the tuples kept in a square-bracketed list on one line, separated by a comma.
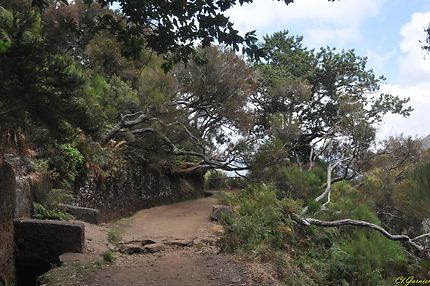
[(306, 95), (172, 29), (68, 28), (187, 109), (35, 84), (322, 105), (215, 94)]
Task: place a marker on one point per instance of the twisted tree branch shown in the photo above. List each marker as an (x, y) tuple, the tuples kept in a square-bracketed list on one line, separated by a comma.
[(365, 224)]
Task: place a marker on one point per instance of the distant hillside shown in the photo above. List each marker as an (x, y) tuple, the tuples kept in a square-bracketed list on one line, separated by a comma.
[(426, 142)]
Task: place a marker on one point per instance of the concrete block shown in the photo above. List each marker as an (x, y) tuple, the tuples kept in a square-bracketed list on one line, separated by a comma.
[(84, 214), (47, 239)]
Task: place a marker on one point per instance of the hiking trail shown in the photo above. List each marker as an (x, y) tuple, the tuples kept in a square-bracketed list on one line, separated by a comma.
[(169, 245)]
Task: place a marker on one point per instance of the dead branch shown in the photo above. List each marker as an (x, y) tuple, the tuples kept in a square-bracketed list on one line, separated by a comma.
[(421, 236), (206, 163), (328, 188), (365, 224)]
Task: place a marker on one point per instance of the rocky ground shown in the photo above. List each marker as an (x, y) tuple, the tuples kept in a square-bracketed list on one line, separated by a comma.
[(162, 246)]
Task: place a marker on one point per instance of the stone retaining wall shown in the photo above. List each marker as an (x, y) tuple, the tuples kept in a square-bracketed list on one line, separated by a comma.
[(135, 187)]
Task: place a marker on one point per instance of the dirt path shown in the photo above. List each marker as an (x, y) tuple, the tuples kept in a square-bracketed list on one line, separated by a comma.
[(184, 220), (171, 245)]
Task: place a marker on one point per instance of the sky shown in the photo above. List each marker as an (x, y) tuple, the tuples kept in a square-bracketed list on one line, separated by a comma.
[(388, 32)]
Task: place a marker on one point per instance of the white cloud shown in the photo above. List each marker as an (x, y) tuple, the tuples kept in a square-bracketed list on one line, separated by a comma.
[(337, 22), (378, 60), (341, 36), (418, 123), (414, 63), (413, 81)]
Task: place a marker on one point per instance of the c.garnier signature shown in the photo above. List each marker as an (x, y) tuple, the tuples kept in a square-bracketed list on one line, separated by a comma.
[(408, 280)]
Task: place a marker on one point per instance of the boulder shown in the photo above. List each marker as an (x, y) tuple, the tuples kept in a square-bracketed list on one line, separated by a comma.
[(220, 210)]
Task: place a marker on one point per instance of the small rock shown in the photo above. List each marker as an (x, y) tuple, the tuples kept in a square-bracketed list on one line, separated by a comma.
[(147, 241), (197, 241), (154, 247), (130, 248), (180, 242)]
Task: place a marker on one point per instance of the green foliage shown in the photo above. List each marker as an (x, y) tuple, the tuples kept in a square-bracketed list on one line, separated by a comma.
[(205, 89), (269, 152), (45, 88), (42, 212), (303, 94), (53, 197), (367, 259), (236, 182), (118, 97), (305, 184), (259, 222), (66, 164), (179, 25), (40, 165), (262, 227), (114, 236), (109, 256), (46, 204), (4, 46), (72, 153), (58, 77), (291, 180), (156, 88), (72, 274), (412, 195)]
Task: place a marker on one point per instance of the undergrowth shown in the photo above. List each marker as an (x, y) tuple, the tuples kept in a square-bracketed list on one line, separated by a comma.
[(262, 228)]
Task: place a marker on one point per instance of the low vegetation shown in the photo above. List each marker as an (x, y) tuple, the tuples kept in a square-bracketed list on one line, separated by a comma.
[(263, 228), (114, 237), (74, 274)]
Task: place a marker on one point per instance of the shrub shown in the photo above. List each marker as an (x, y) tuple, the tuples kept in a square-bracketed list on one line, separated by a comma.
[(46, 204), (236, 183), (67, 164), (258, 222), (367, 259), (41, 212), (109, 256), (114, 236)]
